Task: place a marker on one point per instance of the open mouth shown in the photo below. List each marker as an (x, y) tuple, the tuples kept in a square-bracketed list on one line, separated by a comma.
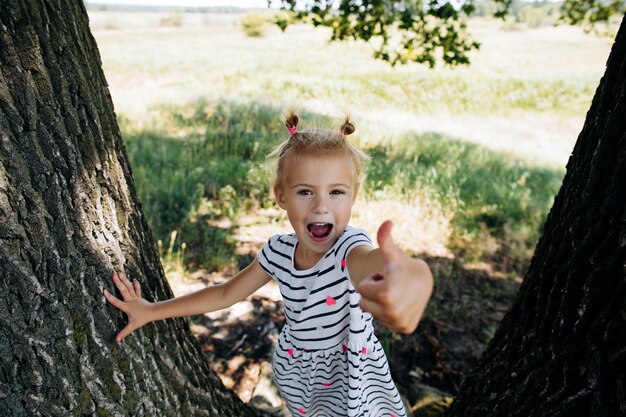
[(319, 231)]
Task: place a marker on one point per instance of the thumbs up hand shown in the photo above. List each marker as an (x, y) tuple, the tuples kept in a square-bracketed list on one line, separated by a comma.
[(397, 297)]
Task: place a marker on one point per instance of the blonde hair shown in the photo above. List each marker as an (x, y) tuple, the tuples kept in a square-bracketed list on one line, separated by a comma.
[(316, 142)]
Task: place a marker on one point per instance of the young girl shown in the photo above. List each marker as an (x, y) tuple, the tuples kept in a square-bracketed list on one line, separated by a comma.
[(327, 360)]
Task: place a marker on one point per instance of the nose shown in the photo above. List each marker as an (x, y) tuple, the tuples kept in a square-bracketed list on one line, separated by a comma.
[(321, 204)]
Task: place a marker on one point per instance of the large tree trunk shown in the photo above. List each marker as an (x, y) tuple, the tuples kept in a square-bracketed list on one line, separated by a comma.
[(561, 350), (69, 217)]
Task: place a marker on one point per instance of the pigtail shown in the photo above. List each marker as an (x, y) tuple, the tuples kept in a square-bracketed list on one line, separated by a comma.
[(315, 142), (291, 122), (347, 128)]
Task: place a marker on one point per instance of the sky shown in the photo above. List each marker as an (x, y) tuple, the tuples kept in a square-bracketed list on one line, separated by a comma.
[(185, 3)]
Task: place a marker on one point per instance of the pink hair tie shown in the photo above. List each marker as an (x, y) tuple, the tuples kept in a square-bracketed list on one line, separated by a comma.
[(292, 130)]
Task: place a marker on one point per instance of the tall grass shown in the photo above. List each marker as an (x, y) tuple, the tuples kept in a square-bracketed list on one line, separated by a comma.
[(205, 162), (495, 197)]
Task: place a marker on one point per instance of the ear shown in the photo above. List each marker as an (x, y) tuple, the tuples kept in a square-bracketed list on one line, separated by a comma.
[(280, 197)]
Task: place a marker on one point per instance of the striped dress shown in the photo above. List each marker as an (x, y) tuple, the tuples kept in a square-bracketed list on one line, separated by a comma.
[(327, 360)]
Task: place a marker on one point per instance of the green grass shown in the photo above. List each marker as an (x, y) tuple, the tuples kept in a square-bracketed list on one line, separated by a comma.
[(490, 194), (420, 92), (198, 164), (206, 161)]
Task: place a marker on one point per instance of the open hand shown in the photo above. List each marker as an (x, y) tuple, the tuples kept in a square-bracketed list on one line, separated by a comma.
[(398, 297), (138, 310)]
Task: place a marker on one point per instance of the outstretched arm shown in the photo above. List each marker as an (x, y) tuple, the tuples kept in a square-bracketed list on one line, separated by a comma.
[(394, 288), (216, 297)]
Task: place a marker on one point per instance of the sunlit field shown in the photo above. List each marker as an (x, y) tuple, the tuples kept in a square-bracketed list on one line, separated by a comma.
[(466, 161)]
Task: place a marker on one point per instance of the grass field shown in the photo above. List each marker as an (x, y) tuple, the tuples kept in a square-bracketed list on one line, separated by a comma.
[(465, 160)]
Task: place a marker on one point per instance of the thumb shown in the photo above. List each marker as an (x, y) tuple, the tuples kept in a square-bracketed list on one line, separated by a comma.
[(125, 332), (390, 251)]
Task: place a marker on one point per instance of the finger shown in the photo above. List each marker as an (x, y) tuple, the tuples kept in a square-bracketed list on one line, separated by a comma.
[(373, 288), (372, 307), (380, 314), (125, 332), (126, 281), (116, 302), (387, 246), (125, 287), (120, 285), (137, 287)]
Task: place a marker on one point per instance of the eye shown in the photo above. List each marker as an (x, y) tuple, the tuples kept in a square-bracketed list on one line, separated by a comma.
[(337, 192), (304, 192)]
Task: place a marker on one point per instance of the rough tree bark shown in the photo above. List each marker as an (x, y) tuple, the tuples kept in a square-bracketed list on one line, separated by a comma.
[(69, 217), (561, 350)]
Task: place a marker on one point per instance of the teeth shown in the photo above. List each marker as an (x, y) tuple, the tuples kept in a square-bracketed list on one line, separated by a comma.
[(313, 225)]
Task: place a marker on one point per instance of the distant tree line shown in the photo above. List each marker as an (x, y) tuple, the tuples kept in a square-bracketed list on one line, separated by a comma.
[(163, 9), (534, 14)]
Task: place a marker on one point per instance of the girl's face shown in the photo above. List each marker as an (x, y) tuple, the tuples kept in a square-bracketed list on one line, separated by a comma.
[(318, 195)]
